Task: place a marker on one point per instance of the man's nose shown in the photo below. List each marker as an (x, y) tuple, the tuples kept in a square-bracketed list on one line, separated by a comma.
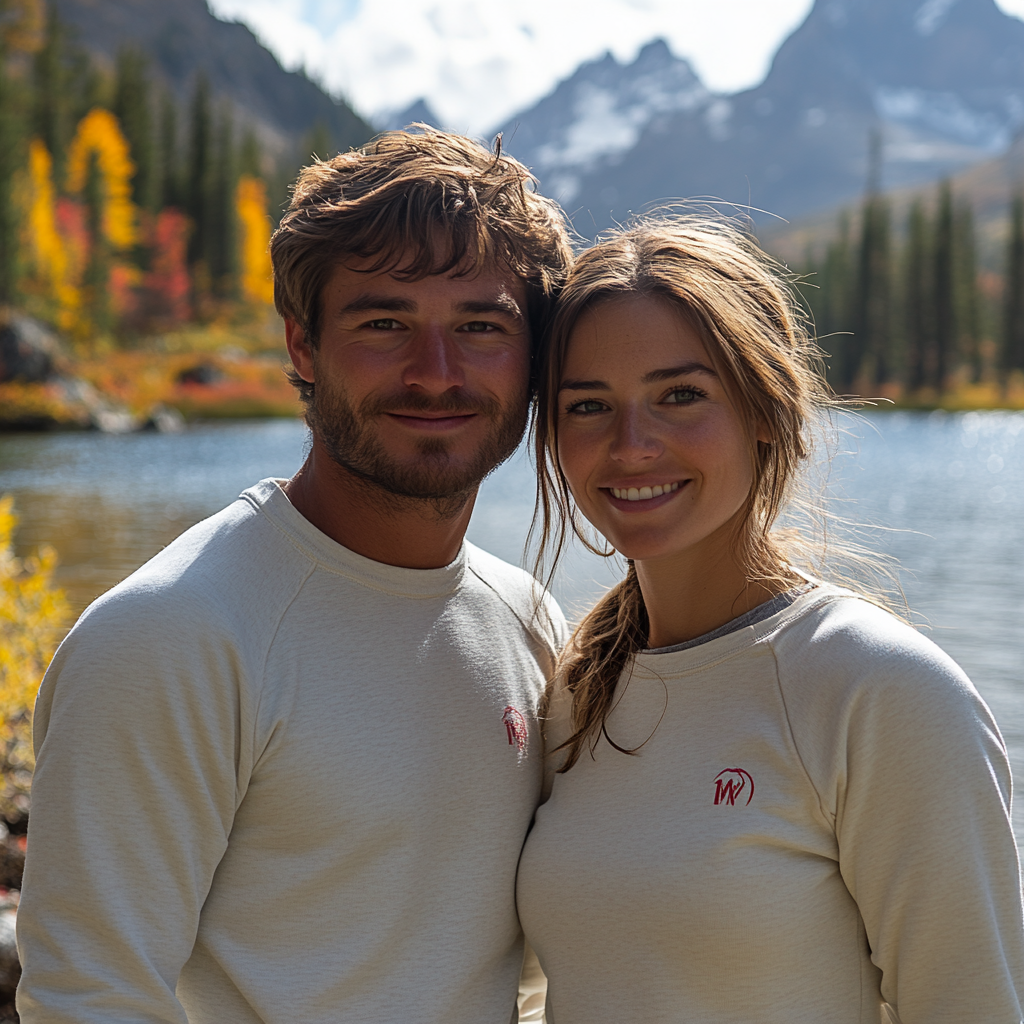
[(635, 438), (433, 362)]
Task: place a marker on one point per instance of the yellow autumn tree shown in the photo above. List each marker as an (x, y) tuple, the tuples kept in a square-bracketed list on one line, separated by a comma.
[(254, 240), (99, 134), (49, 256), (33, 617)]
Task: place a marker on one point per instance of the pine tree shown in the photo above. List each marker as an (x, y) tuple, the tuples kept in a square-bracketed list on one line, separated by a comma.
[(917, 304), (1012, 348), (222, 256), (944, 326), (317, 144), (868, 351), (97, 271), (168, 175), (133, 109), (11, 146), (250, 158), (51, 115), (968, 299), (832, 312), (199, 180)]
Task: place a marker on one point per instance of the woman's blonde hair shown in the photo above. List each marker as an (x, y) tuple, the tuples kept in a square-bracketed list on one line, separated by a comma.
[(742, 306)]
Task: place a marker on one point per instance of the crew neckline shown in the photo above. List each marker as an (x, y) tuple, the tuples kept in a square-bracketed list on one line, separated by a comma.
[(678, 663), (268, 498), (765, 610)]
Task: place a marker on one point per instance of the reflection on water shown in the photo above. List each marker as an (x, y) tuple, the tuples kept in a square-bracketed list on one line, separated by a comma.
[(947, 491)]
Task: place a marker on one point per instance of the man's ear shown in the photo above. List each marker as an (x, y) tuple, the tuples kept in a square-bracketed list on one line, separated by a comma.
[(299, 350)]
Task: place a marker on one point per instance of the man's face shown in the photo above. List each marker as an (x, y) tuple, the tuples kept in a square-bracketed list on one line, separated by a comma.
[(421, 386)]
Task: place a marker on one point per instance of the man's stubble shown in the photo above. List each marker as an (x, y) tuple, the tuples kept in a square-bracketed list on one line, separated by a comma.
[(347, 434)]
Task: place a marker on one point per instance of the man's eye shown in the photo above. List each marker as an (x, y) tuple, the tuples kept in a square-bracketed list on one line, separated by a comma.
[(684, 396), (384, 324), (478, 327), (587, 405)]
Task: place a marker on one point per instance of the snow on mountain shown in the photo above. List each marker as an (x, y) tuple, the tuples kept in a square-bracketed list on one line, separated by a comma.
[(941, 80), (598, 115)]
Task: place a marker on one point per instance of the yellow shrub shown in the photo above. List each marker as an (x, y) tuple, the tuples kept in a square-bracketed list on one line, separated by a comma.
[(33, 617)]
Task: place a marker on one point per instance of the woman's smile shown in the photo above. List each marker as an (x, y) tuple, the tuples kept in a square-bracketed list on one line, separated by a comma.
[(643, 492)]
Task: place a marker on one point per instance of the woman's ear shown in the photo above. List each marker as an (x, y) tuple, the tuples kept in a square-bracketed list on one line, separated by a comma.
[(299, 350)]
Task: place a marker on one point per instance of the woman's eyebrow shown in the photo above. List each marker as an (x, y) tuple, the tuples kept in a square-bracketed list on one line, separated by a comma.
[(676, 371), (648, 378)]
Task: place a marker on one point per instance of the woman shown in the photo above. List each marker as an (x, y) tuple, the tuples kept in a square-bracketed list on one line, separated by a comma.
[(775, 802)]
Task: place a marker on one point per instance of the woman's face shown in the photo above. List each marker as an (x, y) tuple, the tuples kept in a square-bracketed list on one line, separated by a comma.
[(656, 456)]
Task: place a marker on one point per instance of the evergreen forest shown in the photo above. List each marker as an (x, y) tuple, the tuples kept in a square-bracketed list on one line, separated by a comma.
[(124, 210), (904, 308)]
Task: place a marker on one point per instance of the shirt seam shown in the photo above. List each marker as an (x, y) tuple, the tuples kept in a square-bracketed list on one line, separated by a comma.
[(537, 633), (828, 818), (263, 673)]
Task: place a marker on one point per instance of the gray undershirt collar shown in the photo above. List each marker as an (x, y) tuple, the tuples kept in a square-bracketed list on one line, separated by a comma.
[(763, 611)]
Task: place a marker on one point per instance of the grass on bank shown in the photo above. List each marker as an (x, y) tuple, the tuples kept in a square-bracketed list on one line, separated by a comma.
[(204, 372)]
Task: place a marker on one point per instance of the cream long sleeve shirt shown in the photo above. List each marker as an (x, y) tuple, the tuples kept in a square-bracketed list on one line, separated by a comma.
[(278, 782), (818, 823)]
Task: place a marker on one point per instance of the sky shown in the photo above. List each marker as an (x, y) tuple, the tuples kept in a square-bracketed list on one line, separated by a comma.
[(479, 61)]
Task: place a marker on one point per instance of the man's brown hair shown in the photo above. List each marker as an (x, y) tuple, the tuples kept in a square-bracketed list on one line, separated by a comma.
[(417, 203)]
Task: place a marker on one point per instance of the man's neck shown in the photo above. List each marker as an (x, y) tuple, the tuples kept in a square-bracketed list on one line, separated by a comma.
[(408, 532)]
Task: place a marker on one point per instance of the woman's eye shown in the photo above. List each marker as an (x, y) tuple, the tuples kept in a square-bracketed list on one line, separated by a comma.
[(684, 396), (588, 405)]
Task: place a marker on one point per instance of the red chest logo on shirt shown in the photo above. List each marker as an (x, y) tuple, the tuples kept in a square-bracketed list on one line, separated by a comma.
[(731, 783), (515, 726)]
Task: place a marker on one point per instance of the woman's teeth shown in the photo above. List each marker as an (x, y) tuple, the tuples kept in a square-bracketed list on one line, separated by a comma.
[(643, 493)]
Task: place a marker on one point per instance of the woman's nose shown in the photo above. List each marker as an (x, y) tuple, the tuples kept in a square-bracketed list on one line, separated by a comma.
[(635, 437)]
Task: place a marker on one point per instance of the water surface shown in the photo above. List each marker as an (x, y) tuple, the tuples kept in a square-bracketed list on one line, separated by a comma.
[(945, 493)]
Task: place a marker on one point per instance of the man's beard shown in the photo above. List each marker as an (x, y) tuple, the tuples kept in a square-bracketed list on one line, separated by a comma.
[(432, 476)]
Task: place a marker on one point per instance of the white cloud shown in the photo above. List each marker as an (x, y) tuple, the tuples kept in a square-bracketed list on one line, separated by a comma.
[(479, 61)]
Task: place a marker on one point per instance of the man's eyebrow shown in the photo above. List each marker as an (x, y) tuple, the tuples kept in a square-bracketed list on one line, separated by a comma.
[(378, 303), (677, 371), (504, 305)]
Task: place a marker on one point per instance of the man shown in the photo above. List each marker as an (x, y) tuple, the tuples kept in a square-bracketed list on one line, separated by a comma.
[(285, 769)]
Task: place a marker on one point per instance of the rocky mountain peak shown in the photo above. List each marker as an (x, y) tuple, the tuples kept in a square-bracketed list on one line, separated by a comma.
[(599, 113), (941, 82)]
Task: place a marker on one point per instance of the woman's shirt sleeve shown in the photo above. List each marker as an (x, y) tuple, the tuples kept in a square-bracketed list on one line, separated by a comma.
[(909, 765)]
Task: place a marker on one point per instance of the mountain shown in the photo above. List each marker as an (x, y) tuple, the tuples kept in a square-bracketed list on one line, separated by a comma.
[(183, 38), (942, 81), (593, 119), (419, 112)]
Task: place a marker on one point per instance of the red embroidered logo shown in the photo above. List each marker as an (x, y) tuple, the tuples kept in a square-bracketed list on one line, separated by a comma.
[(729, 788), (515, 726)]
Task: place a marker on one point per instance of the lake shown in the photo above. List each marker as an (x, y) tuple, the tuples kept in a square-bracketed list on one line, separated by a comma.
[(942, 493)]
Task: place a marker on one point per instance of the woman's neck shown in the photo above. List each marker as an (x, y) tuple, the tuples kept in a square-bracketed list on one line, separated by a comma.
[(694, 592)]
